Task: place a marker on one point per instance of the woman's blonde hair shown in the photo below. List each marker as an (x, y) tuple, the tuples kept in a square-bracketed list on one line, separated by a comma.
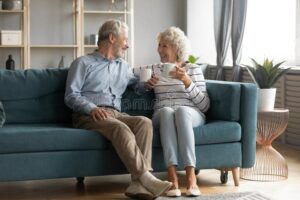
[(176, 37)]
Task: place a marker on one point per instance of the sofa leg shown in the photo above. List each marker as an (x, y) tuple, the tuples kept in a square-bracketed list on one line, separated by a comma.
[(80, 180), (224, 175), (236, 175)]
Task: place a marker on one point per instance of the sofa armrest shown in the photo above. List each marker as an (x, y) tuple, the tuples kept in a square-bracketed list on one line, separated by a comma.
[(225, 105), (248, 120)]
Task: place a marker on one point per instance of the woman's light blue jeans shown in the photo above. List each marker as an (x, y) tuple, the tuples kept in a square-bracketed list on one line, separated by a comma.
[(176, 133)]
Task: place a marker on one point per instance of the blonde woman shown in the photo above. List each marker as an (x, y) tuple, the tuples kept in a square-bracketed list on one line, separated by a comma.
[(181, 102)]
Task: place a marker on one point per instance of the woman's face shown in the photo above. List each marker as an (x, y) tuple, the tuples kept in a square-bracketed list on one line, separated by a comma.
[(167, 52)]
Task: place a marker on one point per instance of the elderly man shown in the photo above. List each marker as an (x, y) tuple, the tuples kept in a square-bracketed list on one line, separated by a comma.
[(94, 88)]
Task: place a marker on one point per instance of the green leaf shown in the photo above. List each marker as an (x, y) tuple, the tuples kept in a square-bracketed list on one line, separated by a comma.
[(192, 59), (278, 76), (251, 71)]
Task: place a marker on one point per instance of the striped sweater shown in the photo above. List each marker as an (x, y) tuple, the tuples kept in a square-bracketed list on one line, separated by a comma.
[(172, 92)]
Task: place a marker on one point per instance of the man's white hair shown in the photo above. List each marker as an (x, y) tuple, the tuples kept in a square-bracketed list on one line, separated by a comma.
[(176, 37), (111, 26)]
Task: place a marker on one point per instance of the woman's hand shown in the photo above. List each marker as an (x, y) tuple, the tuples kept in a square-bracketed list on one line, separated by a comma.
[(152, 82), (180, 74)]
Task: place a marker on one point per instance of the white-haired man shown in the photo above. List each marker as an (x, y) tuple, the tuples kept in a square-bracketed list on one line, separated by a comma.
[(94, 88)]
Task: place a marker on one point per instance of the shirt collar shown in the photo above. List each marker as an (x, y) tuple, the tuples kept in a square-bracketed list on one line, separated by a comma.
[(101, 57)]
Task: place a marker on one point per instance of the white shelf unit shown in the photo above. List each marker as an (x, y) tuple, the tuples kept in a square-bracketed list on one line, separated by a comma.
[(11, 46), (11, 11), (19, 52), (55, 28), (94, 14), (106, 12), (52, 33)]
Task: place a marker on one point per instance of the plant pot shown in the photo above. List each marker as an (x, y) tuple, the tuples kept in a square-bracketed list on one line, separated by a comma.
[(266, 99)]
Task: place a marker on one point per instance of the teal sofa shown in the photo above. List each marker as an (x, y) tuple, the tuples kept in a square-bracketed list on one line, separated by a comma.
[(38, 141)]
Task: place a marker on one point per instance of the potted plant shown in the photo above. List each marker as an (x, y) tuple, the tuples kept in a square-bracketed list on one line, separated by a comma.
[(265, 76), (193, 59)]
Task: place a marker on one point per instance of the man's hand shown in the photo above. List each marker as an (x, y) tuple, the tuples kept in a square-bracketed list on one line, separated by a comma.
[(99, 114), (152, 82)]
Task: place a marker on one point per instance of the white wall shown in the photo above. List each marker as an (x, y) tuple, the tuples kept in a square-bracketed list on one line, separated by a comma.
[(150, 18), (200, 29)]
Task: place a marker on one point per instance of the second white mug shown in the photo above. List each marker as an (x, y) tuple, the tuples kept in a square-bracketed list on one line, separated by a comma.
[(166, 68)]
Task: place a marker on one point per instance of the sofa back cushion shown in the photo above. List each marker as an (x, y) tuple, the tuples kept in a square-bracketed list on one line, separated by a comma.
[(134, 104), (224, 96), (2, 115), (34, 96), (225, 100), (37, 96)]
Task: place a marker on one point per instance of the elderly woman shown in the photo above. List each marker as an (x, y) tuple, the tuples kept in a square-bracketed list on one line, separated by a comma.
[(181, 102)]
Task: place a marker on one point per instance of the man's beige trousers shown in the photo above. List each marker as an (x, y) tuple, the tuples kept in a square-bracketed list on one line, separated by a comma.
[(131, 136)]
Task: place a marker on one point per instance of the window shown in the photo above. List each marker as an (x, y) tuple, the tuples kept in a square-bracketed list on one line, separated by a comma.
[(270, 31), (297, 59)]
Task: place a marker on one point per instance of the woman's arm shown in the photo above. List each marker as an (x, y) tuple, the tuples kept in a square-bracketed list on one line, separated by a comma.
[(197, 89), (193, 79)]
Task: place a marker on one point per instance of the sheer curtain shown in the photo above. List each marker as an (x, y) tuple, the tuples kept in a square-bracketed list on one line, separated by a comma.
[(222, 28), (237, 31)]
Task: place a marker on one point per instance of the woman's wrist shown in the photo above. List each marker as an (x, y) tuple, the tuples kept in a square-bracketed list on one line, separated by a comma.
[(187, 82)]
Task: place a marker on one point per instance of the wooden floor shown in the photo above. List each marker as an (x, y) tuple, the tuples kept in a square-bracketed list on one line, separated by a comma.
[(112, 187)]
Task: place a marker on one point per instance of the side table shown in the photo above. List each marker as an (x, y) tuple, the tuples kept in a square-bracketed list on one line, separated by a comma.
[(270, 165)]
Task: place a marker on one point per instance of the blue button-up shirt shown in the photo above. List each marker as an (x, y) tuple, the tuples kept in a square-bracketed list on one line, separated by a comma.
[(96, 81)]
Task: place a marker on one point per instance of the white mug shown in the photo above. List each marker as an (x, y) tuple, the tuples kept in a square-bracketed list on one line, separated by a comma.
[(145, 74), (166, 68)]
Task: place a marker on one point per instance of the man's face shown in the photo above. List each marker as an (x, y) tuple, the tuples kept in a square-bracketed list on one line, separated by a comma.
[(121, 44)]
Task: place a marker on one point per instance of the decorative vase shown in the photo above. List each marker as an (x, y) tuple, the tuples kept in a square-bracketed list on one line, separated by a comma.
[(61, 63), (266, 99), (7, 4), (17, 4), (10, 63)]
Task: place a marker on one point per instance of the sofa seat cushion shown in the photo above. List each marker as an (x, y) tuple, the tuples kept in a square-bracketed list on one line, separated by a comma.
[(213, 132), (218, 132), (48, 137)]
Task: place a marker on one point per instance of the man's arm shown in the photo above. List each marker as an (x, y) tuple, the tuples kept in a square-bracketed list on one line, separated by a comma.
[(75, 82), (137, 86)]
